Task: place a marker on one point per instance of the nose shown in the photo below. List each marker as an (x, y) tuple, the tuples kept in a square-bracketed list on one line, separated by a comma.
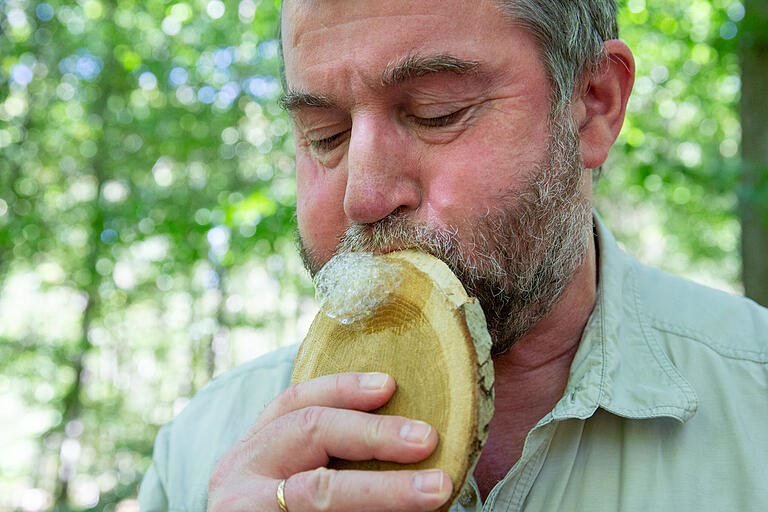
[(381, 177)]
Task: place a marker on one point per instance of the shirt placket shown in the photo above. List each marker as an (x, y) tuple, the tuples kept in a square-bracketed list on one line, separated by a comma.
[(510, 494)]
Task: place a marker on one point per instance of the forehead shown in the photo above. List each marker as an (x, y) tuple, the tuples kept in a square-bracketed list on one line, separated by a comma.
[(357, 36), (302, 14)]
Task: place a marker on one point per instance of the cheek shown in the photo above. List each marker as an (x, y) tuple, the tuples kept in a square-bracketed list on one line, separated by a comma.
[(471, 178), (319, 206)]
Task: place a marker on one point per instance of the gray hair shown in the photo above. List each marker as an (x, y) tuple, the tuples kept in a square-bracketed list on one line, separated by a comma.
[(570, 35)]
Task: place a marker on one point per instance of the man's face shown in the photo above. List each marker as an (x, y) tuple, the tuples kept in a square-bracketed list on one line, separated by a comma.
[(427, 124)]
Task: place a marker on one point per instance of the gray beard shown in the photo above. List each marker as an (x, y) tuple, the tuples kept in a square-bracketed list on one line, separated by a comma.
[(518, 259)]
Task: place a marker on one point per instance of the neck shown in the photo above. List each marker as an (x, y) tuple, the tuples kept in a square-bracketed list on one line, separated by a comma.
[(532, 375)]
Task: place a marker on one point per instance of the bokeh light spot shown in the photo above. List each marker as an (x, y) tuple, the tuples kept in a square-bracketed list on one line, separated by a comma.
[(636, 6), (215, 9), (164, 282), (653, 183), (227, 95), (268, 49), (171, 26), (635, 137), (178, 76), (689, 153), (44, 12), (218, 235), (728, 30), (17, 18), (263, 87), (123, 276), (736, 11), (206, 94), (132, 143), (185, 94), (163, 172), (93, 9), (88, 148), (15, 106), (729, 148), (181, 11), (230, 135), (147, 81), (246, 11), (114, 191), (109, 236), (21, 74), (681, 195), (203, 216), (222, 58)]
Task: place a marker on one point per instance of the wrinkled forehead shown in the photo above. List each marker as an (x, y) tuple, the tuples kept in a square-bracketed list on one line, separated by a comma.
[(299, 16), (375, 32), (295, 13)]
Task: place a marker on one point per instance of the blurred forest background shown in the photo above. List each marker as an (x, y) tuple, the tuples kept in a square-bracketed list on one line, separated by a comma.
[(147, 201)]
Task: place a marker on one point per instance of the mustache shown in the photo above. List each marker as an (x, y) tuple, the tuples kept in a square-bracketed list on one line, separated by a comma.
[(470, 261), (397, 232)]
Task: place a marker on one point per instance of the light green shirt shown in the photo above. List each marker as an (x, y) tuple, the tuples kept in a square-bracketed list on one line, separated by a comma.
[(666, 409)]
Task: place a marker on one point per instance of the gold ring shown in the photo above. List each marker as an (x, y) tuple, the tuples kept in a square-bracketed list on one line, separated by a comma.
[(281, 496)]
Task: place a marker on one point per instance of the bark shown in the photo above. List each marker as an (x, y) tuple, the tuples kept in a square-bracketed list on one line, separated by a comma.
[(754, 151)]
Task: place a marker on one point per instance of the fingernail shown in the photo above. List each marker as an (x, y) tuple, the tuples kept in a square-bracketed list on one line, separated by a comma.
[(373, 381), (429, 482), (415, 432)]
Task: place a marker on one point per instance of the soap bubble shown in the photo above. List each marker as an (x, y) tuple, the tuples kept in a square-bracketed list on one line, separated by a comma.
[(353, 284)]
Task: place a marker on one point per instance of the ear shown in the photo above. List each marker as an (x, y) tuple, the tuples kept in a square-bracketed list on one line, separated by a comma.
[(599, 108)]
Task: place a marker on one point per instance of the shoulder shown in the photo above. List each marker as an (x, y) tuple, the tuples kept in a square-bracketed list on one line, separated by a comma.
[(729, 325), (274, 367), (188, 447), (718, 344), (231, 401)]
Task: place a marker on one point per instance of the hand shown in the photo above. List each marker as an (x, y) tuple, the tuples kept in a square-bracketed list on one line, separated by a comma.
[(310, 422)]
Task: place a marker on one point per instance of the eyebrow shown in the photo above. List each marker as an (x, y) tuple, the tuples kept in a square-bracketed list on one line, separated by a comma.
[(415, 66), (395, 73), (293, 100)]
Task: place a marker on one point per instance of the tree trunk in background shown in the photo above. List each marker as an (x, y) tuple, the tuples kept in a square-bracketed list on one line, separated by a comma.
[(73, 401), (754, 150)]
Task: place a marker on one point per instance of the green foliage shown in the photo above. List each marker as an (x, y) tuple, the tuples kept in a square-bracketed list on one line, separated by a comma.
[(669, 188), (146, 214), (147, 201)]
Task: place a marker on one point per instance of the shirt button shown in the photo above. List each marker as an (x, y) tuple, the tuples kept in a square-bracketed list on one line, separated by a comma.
[(466, 497)]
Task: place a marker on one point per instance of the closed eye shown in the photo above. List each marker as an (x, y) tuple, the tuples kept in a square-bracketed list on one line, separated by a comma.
[(328, 143), (439, 122)]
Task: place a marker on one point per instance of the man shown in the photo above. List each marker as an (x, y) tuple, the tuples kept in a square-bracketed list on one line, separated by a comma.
[(465, 130)]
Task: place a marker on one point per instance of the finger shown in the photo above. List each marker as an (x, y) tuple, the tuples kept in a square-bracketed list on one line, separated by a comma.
[(254, 494), (342, 491), (352, 390), (315, 434)]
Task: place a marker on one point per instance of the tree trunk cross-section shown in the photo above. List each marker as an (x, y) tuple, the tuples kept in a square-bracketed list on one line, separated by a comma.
[(432, 338)]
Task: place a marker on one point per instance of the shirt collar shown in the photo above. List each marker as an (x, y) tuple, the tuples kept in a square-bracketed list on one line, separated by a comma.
[(620, 365)]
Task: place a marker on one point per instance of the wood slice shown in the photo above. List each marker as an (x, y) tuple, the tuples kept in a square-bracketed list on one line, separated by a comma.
[(432, 338)]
